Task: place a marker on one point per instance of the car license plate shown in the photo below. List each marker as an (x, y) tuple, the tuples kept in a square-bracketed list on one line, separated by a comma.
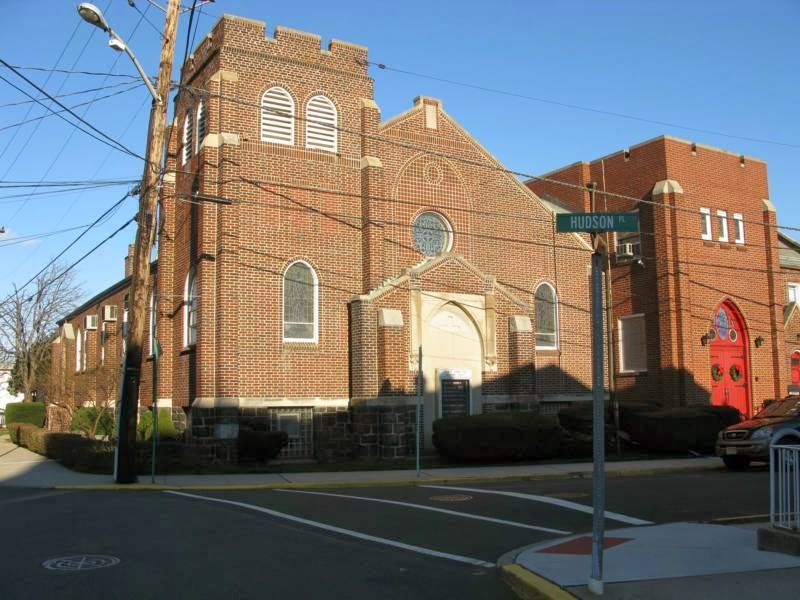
[(730, 450)]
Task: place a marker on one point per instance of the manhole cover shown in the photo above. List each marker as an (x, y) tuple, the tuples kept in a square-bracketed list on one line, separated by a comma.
[(451, 498), (81, 562)]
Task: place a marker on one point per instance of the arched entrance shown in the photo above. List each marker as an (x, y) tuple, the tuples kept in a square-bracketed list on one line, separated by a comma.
[(730, 377), (452, 363), (795, 364)]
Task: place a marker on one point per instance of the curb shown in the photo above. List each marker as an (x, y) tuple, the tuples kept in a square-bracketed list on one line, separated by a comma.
[(362, 483), (530, 586)]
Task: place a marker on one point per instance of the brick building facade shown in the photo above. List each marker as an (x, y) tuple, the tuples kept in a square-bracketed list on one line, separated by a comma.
[(698, 295), (307, 250)]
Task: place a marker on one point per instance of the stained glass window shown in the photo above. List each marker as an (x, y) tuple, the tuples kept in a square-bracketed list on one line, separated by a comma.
[(299, 303), (723, 324), (190, 310), (546, 317), (431, 234)]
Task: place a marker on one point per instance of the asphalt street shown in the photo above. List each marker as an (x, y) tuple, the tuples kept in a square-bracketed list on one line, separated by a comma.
[(367, 542)]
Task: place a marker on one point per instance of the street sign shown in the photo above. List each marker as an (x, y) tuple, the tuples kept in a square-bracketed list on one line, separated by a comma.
[(598, 221)]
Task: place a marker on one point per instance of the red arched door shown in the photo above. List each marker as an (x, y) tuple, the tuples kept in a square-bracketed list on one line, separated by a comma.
[(796, 367), (729, 372)]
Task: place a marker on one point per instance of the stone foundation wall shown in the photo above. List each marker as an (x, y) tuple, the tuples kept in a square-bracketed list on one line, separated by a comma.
[(383, 432)]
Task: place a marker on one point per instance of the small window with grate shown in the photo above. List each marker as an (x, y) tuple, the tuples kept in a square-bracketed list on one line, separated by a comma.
[(187, 137), (321, 121), (277, 116)]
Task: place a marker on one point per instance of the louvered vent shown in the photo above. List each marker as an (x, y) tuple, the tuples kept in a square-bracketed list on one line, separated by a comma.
[(277, 117), (201, 123), (321, 124), (187, 138)]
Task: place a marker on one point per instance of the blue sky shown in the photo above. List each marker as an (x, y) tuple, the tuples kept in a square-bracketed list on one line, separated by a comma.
[(720, 66)]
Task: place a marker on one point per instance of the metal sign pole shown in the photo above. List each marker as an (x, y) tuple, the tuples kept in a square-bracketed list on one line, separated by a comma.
[(419, 406), (598, 423), (156, 355)]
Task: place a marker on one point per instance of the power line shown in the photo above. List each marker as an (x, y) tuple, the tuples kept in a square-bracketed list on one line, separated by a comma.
[(75, 241), (111, 141), (131, 87), (73, 183), (76, 93), (494, 166), (74, 72), (620, 115), (14, 198), (21, 239)]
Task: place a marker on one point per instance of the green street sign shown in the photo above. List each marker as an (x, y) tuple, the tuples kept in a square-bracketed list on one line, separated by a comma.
[(598, 221)]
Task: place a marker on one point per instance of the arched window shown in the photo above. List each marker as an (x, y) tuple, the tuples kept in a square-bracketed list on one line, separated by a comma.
[(321, 121), (277, 116), (300, 303), (190, 310), (546, 316), (187, 137), (153, 323), (78, 350), (201, 123)]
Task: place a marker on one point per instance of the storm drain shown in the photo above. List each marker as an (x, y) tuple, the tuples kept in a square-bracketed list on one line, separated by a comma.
[(451, 498), (81, 562)]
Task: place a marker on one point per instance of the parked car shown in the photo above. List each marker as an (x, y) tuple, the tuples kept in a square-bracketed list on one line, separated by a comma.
[(776, 423)]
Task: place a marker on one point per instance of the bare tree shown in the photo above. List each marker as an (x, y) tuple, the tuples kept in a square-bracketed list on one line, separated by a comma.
[(28, 320)]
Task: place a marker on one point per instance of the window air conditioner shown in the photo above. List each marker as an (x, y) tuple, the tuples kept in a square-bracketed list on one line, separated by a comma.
[(625, 250)]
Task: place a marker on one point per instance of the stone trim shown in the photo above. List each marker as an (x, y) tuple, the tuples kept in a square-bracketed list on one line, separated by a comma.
[(667, 186), (298, 32), (369, 103), (215, 140), (519, 324), (170, 177), (370, 161), (390, 317), (768, 205), (267, 402), (224, 75)]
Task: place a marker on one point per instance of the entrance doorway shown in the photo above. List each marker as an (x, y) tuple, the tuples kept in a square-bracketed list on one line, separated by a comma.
[(730, 378)]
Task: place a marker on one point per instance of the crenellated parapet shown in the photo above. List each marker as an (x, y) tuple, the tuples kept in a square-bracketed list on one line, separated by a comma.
[(249, 35)]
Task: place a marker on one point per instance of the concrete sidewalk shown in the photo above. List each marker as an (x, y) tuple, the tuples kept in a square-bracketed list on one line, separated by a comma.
[(20, 467), (660, 562)]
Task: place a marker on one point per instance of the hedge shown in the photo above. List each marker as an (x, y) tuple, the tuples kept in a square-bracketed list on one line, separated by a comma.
[(579, 417), (84, 419), (261, 445), (680, 429), (25, 412), (497, 436), (166, 428)]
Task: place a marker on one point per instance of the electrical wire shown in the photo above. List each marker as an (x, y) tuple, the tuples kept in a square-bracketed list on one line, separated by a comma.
[(620, 115), (133, 86), (76, 93), (21, 239), (74, 72), (111, 141), (494, 165)]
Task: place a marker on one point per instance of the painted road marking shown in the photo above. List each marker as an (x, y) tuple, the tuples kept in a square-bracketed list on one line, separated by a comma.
[(434, 509), (347, 532), (547, 500)]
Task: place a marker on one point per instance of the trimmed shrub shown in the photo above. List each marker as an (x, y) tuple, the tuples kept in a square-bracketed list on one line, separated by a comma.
[(629, 413), (25, 412), (166, 428), (84, 420), (497, 436), (727, 415), (678, 429), (261, 445), (579, 417)]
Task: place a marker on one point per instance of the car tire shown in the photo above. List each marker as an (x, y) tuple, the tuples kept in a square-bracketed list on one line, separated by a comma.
[(736, 463)]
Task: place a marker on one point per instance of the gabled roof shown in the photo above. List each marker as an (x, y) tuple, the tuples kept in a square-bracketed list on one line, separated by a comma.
[(788, 251), (419, 106), (390, 285)]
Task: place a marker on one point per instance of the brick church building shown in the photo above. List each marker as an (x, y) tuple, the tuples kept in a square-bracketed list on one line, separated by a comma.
[(308, 251)]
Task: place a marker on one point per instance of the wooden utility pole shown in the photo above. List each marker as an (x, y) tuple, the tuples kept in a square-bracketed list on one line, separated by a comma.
[(125, 458)]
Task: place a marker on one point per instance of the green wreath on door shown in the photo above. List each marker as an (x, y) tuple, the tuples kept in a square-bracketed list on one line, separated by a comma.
[(716, 372), (735, 372)]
